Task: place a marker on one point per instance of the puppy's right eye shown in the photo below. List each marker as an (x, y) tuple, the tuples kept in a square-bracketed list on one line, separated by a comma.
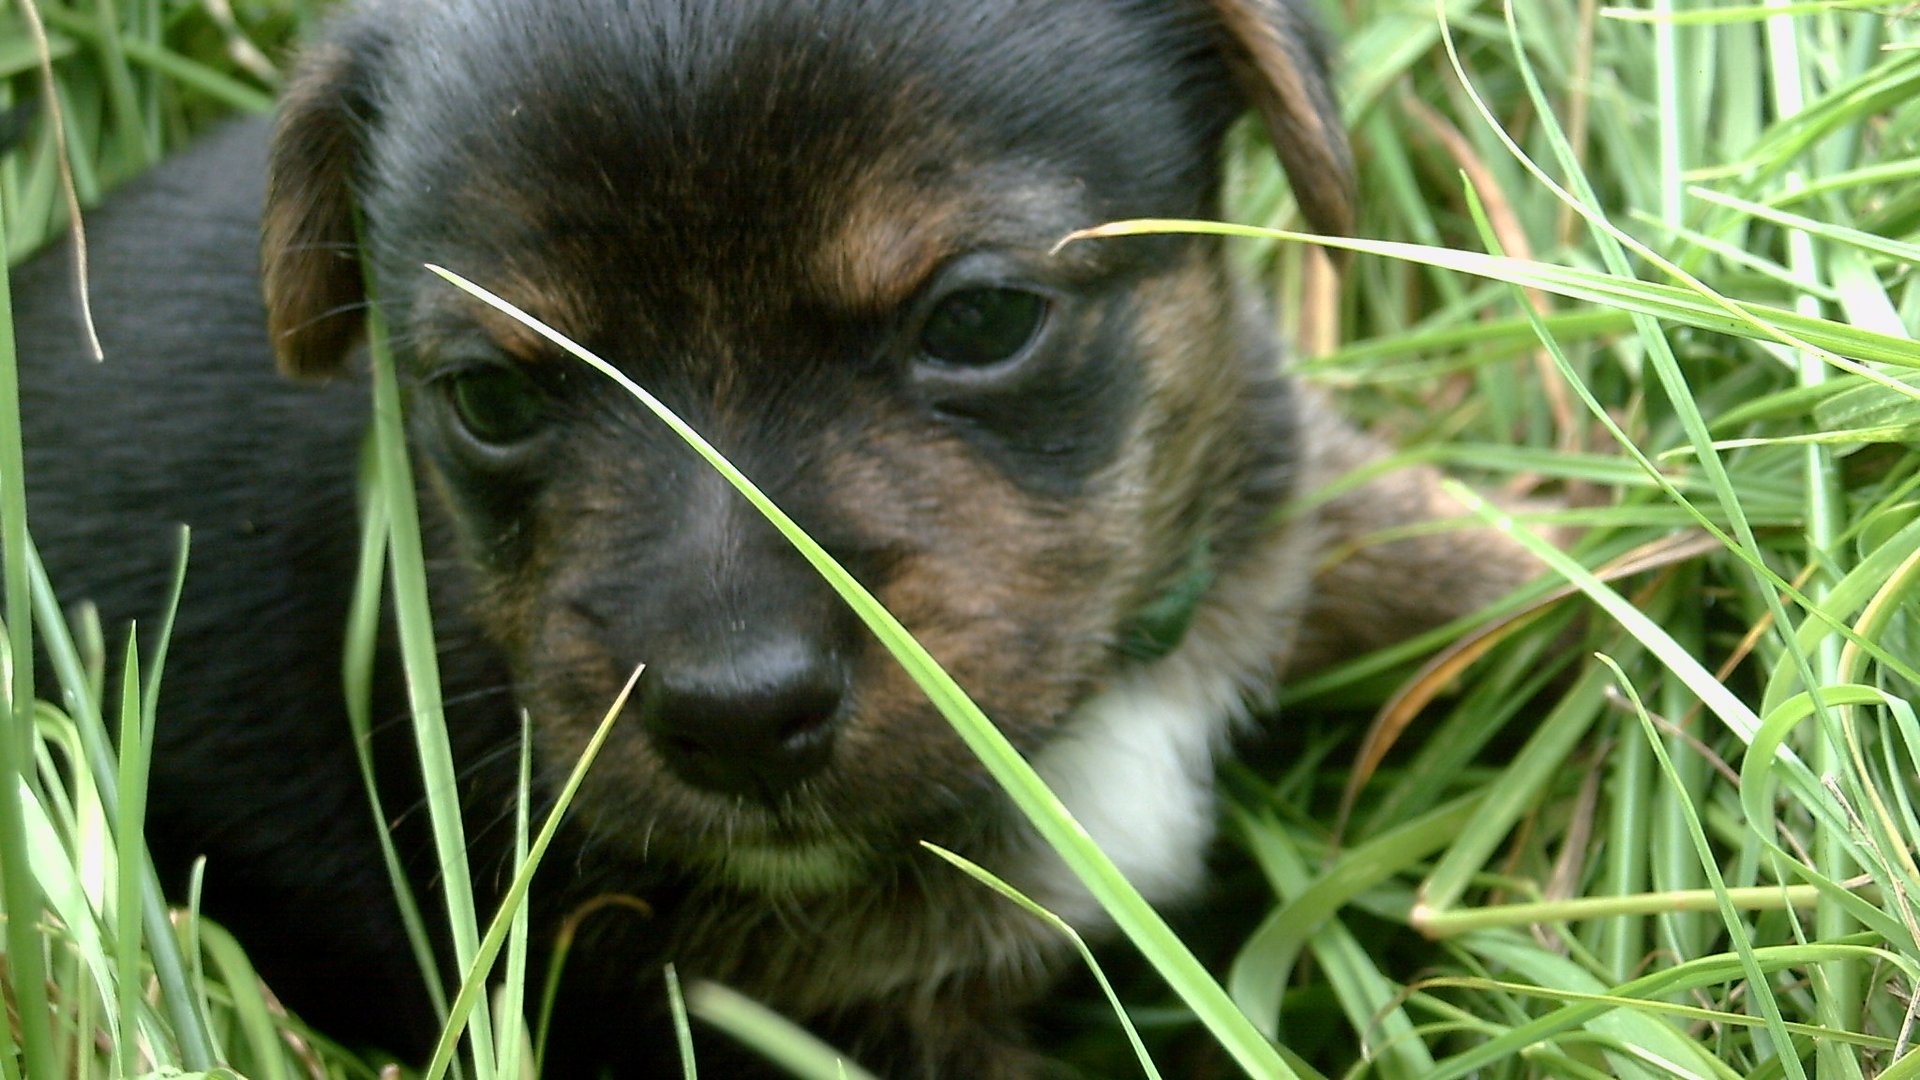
[(983, 326), (497, 405)]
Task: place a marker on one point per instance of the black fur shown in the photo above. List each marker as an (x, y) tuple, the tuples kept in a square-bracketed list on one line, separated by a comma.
[(186, 422), (678, 160)]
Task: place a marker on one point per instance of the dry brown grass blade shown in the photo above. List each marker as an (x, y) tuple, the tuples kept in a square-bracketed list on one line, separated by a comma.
[(56, 117), (1319, 320), (1399, 712), (1505, 222)]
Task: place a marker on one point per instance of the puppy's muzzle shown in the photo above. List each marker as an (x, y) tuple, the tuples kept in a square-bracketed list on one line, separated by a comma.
[(753, 722)]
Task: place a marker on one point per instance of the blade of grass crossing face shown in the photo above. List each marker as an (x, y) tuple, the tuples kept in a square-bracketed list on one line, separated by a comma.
[(771, 1035), (510, 1026), (1135, 917)]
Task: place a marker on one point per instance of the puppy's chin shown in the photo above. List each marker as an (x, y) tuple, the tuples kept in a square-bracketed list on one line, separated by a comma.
[(800, 847), (807, 868)]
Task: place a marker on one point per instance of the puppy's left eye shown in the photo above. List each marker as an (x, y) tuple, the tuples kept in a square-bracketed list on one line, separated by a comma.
[(981, 327), (497, 405)]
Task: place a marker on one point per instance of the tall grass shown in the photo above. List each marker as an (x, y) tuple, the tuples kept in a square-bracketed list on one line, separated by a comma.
[(1691, 854), (1655, 267)]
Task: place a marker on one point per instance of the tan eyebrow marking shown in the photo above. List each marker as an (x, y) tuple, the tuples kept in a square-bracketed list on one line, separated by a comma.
[(895, 233), (885, 247), (550, 304)]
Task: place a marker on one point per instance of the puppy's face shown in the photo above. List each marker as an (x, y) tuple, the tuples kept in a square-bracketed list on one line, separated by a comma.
[(822, 233)]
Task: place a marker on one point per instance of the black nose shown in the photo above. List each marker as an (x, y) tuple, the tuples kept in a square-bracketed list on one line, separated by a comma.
[(754, 723)]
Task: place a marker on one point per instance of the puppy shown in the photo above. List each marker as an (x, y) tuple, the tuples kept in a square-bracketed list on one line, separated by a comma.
[(823, 231)]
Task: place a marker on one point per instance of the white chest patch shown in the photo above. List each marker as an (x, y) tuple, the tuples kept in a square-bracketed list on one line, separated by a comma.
[(1135, 767), (1135, 763)]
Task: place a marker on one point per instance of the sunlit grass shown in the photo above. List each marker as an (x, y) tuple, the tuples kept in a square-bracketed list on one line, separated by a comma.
[(1657, 271)]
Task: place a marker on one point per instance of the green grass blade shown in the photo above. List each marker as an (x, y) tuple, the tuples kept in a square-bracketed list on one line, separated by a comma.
[(473, 986), (413, 616), (361, 642), (682, 1029), (18, 888), (1135, 917), (1059, 925), (1839, 344), (771, 1035)]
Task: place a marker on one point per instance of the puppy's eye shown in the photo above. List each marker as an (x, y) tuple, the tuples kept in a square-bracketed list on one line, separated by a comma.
[(498, 405), (981, 327)]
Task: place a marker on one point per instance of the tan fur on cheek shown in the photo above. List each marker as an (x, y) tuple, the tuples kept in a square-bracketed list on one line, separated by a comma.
[(1194, 385), (1005, 591), (1187, 453)]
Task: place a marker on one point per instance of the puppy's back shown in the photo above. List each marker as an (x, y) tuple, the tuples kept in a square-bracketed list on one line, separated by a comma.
[(186, 422)]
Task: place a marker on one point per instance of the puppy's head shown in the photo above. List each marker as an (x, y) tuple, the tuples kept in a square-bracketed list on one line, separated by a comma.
[(821, 232)]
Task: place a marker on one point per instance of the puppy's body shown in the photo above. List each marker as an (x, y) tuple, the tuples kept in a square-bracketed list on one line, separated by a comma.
[(184, 424), (818, 231)]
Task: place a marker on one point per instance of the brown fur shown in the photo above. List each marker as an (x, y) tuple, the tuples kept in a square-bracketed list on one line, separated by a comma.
[(1269, 48), (1371, 590), (310, 269)]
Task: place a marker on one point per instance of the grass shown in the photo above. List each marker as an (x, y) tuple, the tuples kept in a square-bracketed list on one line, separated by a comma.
[(1655, 265)]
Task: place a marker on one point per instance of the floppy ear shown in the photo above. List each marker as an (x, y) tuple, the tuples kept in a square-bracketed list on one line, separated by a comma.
[(309, 256), (1276, 56)]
